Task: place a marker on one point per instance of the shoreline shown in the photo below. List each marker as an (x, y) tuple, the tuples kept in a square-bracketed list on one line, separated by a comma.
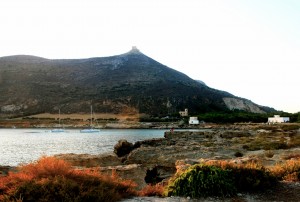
[(237, 143)]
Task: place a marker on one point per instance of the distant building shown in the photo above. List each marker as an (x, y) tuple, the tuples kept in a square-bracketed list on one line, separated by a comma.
[(194, 120), (184, 113), (278, 119)]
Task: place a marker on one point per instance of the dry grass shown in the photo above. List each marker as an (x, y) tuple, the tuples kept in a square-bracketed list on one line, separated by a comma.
[(294, 141), (292, 156), (51, 179), (289, 170), (152, 190)]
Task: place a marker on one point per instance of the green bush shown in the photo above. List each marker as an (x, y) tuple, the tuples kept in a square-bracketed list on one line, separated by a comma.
[(252, 179), (220, 179), (201, 181)]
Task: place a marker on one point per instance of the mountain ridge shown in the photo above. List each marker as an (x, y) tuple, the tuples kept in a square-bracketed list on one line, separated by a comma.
[(127, 83)]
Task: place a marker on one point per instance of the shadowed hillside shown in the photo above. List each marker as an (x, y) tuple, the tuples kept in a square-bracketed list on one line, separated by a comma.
[(127, 83)]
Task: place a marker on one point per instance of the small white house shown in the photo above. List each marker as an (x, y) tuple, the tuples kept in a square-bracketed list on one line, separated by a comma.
[(278, 119), (194, 121)]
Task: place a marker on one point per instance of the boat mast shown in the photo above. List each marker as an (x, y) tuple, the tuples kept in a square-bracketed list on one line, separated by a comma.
[(91, 115), (59, 117)]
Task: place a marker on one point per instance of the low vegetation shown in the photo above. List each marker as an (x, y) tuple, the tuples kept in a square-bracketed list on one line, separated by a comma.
[(201, 181), (50, 179), (289, 170), (220, 178)]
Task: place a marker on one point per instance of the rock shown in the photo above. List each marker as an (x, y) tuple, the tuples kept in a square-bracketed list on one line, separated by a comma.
[(88, 160), (135, 172), (5, 169), (123, 147)]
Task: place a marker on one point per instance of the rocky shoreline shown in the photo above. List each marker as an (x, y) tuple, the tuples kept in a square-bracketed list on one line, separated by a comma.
[(162, 157), (156, 160)]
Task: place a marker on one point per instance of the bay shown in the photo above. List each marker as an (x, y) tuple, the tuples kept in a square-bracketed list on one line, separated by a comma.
[(19, 146)]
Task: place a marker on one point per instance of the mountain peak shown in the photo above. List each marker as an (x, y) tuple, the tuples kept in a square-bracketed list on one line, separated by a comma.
[(134, 50)]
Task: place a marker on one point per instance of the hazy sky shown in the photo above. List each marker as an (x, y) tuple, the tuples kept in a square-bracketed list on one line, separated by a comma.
[(250, 48)]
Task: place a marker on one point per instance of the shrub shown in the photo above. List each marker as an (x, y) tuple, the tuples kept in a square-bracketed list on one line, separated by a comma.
[(201, 181), (275, 145), (152, 176), (248, 177), (289, 170), (238, 154), (123, 147), (220, 178), (252, 179), (266, 144), (292, 156), (50, 179), (289, 127), (294, 142), (269, 153), (152, 190)]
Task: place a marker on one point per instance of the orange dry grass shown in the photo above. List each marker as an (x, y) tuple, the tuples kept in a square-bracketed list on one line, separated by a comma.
[(289, 170), (228, 165), (47, 167), (152, 190), (44, 177), (292, 156)]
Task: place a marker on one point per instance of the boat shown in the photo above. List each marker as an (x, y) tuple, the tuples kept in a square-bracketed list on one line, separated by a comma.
[(58, 130), (91, 129)]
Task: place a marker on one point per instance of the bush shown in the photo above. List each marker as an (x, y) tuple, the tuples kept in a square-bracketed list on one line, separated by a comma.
[(152, 190), (50, 179), (201, 181), (290, 127), (248, 177), (252, 179), (265, 144), (289, 170), (123, 147), (220, 178), (152, 176), (269, 154), (238, 154)]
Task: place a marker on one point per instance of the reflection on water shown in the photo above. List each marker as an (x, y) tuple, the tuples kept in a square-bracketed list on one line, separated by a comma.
[(26, 145)]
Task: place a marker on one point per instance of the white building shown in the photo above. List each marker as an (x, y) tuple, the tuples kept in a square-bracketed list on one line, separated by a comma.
[(278, 119), (194, 121)]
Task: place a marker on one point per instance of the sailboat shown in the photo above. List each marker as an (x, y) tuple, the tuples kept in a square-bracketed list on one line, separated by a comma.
[(90, 130), (58, 130)]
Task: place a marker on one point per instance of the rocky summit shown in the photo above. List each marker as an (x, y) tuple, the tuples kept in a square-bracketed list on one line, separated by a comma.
[(131, 83)]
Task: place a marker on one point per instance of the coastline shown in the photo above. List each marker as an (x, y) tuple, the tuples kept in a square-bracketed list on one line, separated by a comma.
[(182, 148)]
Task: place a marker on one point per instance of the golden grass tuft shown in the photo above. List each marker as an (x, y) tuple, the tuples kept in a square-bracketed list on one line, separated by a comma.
[(51, 179), (47, 167), (152, 190), (288, 171)]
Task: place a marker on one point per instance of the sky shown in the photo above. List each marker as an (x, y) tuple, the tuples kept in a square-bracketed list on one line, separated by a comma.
[(249, 48)]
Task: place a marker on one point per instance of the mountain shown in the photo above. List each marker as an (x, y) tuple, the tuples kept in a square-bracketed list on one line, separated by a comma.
[(126, 83)]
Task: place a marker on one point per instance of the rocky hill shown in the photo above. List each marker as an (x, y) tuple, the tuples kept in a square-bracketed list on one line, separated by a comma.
[(126, 83)]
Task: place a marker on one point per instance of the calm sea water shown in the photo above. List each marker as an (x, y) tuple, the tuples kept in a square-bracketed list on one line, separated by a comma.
[(26, 145)]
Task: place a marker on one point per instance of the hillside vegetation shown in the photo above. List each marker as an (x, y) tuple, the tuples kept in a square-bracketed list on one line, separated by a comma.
[(129, 83)]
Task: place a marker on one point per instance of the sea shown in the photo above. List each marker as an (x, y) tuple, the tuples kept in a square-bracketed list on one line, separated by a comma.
[(22, 146)]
